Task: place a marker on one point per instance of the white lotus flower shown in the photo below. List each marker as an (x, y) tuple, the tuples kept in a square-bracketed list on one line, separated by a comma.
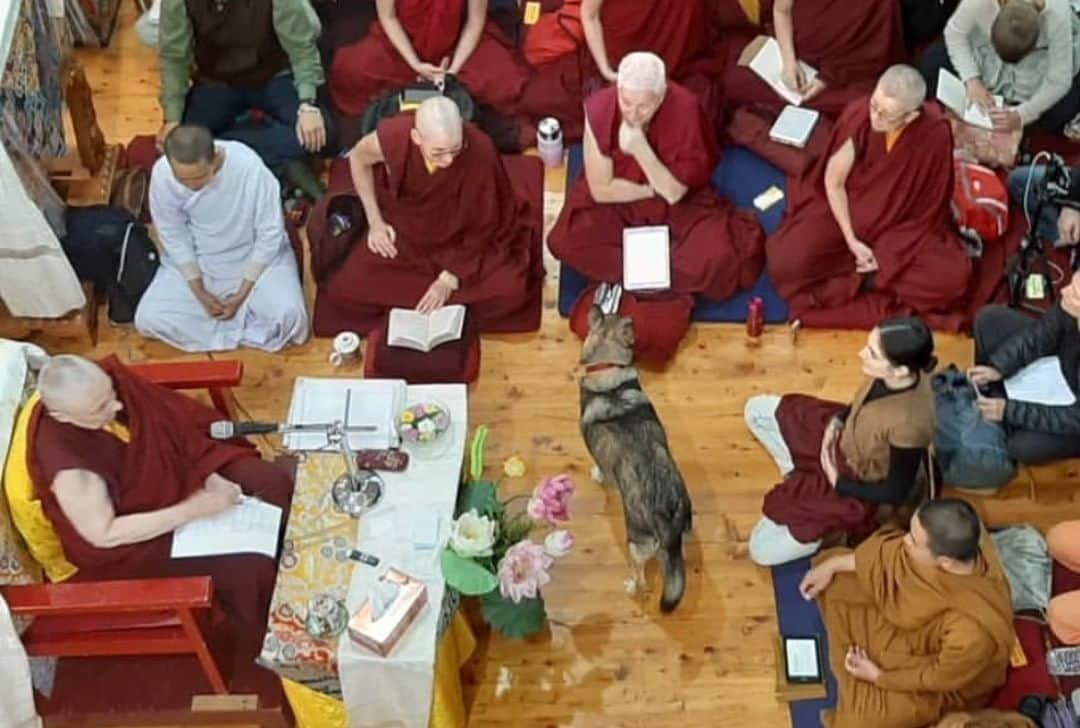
[(472, 535), (558, 543)]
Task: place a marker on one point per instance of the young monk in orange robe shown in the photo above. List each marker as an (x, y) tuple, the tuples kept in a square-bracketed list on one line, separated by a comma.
[(648, 158), (873, 215), (426, 39), (919, 623)]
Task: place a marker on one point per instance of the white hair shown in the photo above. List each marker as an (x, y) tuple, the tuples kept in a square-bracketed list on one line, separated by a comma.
[(439, 115), (65, 378), (642, 71), (905, 84)]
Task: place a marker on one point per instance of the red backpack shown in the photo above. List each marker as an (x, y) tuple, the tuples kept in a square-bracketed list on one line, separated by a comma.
[(980, 203)]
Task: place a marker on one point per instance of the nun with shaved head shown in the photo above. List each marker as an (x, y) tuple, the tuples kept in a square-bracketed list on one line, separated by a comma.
[(443, 226)]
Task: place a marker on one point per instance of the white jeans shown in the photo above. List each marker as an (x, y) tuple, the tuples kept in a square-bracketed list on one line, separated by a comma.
[(770, 542)]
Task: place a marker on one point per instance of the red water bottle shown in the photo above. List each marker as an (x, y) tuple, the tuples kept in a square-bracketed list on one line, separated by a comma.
[(755, 320)]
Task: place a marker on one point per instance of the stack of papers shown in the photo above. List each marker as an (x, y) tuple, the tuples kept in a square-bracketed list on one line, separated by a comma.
[(353, 402), (767, 63), (250, 527), (646, 258)]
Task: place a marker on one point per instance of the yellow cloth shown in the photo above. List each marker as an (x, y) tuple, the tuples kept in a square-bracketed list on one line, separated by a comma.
[(26, 509), (430, 166), (752, 8), (891, 137), (315, 710)]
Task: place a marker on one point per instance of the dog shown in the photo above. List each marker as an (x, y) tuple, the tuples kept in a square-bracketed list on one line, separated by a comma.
[(630, 448)]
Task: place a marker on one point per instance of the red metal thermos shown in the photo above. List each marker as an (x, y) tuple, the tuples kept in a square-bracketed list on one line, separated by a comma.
[(755, 319)]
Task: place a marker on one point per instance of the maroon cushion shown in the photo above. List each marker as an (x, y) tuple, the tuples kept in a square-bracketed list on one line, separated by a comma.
[(749, 127), (660, 321), (452, 362), (1031, 679)]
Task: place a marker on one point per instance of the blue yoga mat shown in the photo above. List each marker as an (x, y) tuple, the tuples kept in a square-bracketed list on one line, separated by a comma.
[(741, 176), (796, 616)]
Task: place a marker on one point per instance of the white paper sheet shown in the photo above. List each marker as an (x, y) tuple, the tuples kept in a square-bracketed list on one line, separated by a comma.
[(646, 258), (768, 64), (1041, 382), (374, 402), (250, 527)]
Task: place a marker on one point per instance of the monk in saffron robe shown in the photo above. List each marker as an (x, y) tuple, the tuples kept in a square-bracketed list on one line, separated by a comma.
[(648, 158), (444, 225), (119, 463), (849, 44), (919, 624), (871, 218), (427, 39)]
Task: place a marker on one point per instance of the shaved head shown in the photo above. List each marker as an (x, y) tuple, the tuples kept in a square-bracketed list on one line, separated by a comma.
[(439, 117), (642, 71), (904, 84), (190, 144), (78, 391)]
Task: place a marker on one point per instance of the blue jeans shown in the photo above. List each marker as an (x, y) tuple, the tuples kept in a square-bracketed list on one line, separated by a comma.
[(1046, 227), (218, 107)]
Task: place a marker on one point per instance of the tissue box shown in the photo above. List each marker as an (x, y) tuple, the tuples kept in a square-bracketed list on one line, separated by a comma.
[(382, 635)]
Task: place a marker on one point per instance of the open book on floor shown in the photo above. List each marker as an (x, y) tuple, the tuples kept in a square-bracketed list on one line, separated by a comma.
[(762, 56), (646, 258), (953, 94), (423, 332)]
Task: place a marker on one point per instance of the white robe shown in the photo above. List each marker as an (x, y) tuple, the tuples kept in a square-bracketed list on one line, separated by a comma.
[(231, 229)]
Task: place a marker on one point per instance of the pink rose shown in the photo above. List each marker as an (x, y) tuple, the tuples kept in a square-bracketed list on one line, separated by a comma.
[(550, 500), (523, 570)]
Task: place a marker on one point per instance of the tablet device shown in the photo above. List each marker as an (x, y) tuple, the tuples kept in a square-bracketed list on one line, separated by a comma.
[(802, 659)]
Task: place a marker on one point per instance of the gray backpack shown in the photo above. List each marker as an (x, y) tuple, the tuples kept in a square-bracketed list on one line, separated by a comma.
[(1027, 566)]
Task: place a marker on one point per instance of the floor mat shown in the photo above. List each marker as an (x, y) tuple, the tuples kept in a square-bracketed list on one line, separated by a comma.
[(741, 176)]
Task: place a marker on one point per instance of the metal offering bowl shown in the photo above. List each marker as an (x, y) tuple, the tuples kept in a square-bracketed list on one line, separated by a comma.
[(354, 495)]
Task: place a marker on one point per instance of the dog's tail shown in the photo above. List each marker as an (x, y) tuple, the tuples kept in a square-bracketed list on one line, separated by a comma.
[(674, 570)]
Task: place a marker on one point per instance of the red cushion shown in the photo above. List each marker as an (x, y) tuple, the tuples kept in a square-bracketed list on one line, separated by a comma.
[(660, 321), (453, 362), (749, 127), (1033, 678), (142, 152)]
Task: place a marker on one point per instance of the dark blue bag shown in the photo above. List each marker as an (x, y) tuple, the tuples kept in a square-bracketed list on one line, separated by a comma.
[(970, 451)]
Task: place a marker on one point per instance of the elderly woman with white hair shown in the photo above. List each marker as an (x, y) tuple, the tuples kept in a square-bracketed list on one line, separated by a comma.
[(870, 222), (649, 154)]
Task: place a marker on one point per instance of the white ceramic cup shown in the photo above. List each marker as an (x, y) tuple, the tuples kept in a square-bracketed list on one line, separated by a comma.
[(346, 347)]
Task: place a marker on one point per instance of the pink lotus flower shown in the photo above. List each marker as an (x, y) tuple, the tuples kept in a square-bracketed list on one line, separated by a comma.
[(550, 500), (558, 543), (523, 570)]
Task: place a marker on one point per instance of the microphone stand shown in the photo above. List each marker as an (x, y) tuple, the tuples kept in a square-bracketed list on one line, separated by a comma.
[(356, 491)]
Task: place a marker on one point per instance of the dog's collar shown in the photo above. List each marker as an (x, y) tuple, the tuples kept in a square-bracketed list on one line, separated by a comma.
[(601, 366)]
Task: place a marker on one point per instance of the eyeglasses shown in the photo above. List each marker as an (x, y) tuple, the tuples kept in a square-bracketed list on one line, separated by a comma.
[(885, 114)]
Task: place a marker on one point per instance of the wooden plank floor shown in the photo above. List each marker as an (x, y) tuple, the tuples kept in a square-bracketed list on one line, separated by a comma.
[(611, 660)]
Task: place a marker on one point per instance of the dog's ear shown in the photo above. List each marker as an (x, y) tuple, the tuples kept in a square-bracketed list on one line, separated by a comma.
[(596, 315), (626, 332)]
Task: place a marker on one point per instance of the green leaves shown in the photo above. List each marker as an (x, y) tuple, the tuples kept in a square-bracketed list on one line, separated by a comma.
[(465, 575), (476, 452), (479, 494), (514, 621)]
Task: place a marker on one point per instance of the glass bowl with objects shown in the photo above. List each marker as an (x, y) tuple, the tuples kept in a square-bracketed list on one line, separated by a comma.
[(423, 423)]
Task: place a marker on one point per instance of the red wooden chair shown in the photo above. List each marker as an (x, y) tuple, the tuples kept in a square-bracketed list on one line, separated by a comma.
[(132, 617)]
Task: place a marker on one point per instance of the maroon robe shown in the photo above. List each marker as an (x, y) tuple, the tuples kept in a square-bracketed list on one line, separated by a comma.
[(899, 206), (805, 501), (372, 66), (849, 43), (465, 219), (716, 250), (169, 458)]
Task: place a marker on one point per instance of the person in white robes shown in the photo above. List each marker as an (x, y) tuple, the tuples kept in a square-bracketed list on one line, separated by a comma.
[(228, 276)]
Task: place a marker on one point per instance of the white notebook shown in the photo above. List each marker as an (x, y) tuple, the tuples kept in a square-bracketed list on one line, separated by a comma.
[(952, 92), (794, 126), (1041, 382), (768, 64), (423, 332), (250, 527), (355, 402), (646, 258)]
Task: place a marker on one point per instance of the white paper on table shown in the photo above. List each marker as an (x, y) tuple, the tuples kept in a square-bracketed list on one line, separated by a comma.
[(375, 402), (768, 65), (250, 527), (1041, 382)]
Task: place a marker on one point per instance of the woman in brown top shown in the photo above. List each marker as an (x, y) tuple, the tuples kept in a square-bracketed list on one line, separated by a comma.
[(840, 464)]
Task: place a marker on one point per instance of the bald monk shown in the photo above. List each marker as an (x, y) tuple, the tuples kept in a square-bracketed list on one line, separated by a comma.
[(119, 463), (444, 224), (648, 158), (848, 43), (427, 39), (919, 623), (871, 219)]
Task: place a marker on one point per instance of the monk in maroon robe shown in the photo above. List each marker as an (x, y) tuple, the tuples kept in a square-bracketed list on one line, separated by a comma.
[(649, 155), (119, 463), (444, 225), (871, 218), (849, 43), (427, 39)]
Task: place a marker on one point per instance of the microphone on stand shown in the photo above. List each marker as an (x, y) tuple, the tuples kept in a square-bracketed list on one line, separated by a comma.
[(227, 430)]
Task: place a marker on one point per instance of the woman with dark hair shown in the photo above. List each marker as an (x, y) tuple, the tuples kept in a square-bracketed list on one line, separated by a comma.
[(841, 465)]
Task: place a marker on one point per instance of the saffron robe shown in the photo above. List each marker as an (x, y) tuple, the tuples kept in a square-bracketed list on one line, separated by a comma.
[(849, 43), (465, 219), (229, 230), (716, 250), (941, 640), (898, 200), (370, 67), (169, 457)]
